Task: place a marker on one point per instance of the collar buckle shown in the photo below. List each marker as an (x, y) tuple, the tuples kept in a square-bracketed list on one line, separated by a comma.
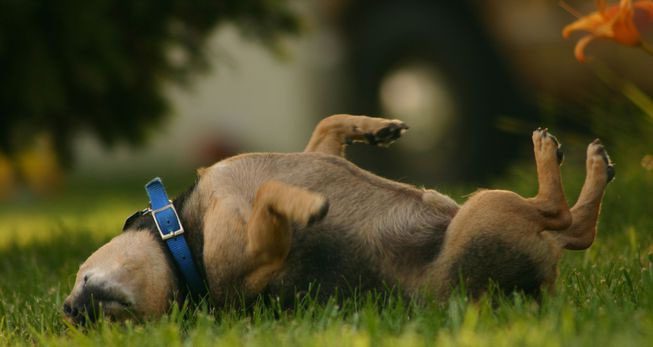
[(169, 218)]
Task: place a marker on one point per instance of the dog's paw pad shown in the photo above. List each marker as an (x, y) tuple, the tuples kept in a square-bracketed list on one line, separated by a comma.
[(388, 134)]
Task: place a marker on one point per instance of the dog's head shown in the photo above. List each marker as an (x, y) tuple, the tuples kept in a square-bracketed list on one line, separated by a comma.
[(129, 277), (133, 276)]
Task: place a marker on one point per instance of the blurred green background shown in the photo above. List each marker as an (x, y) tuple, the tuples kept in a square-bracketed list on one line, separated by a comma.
[(113, 91)]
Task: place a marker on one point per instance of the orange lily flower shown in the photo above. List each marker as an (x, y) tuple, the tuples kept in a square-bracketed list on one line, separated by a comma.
[(614, 22)]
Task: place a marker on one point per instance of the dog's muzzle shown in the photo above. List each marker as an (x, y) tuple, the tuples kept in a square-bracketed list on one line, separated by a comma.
[(93, 301)]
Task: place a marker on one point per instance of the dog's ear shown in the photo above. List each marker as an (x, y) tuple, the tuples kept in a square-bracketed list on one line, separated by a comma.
[(201, 171), (131, 219)]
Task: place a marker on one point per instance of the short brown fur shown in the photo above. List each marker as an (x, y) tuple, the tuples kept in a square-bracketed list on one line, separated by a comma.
[(271, 223)]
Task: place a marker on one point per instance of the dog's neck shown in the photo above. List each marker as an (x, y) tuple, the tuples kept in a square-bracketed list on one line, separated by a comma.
[(193, 232), (191, 218)]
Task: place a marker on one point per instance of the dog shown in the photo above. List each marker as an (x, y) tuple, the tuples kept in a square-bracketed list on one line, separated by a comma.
[(278, 223)]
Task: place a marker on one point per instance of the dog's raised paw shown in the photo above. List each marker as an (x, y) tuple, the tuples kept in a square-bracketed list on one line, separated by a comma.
[(388, 134), (596, 149), (606, 158), (545, 143)]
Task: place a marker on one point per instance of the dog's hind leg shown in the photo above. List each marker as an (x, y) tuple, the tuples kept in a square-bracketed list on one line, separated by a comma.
[(277, 208), (498, 235), (550, 199), (334, 133), (585, 213)]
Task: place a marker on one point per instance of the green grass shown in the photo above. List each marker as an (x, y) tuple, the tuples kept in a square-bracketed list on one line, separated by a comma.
[(604, 295)]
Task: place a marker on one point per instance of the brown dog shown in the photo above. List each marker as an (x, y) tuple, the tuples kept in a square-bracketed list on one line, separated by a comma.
[(270, 223)]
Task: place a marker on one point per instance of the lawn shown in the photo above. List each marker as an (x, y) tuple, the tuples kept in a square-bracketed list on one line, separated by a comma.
[(604, 295)]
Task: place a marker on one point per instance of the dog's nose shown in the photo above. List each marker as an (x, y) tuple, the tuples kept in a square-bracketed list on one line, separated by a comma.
[(67, 309), (73, 313), (81, 310)]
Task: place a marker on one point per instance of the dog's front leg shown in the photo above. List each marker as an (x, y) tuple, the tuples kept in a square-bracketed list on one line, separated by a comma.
[(277, 206), (334, 133)]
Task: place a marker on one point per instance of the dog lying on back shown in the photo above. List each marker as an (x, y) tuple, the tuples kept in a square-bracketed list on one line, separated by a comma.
[(273, 223)]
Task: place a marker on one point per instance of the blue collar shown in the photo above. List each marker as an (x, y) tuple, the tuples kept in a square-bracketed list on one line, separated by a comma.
[(172, 232)]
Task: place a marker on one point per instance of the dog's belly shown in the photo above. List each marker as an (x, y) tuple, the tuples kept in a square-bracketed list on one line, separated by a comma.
[(323, 263), (377, 233)]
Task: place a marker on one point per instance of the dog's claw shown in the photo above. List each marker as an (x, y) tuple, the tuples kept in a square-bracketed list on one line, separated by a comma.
[(600, 150), (604, 154), (560, 155), (611, 173)]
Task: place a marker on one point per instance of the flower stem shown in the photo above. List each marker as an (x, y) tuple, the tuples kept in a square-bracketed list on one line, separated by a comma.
[(626, 87), (648, 48)]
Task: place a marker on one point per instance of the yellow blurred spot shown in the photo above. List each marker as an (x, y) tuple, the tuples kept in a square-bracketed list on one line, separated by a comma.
[(7, 178), (647, 162), (361, 340), (39, 167)]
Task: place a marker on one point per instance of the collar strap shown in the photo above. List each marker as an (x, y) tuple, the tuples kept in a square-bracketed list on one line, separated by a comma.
[(172, 232)]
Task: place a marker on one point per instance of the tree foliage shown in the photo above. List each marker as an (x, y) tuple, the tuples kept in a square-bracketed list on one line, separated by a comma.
[(98, 66)]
